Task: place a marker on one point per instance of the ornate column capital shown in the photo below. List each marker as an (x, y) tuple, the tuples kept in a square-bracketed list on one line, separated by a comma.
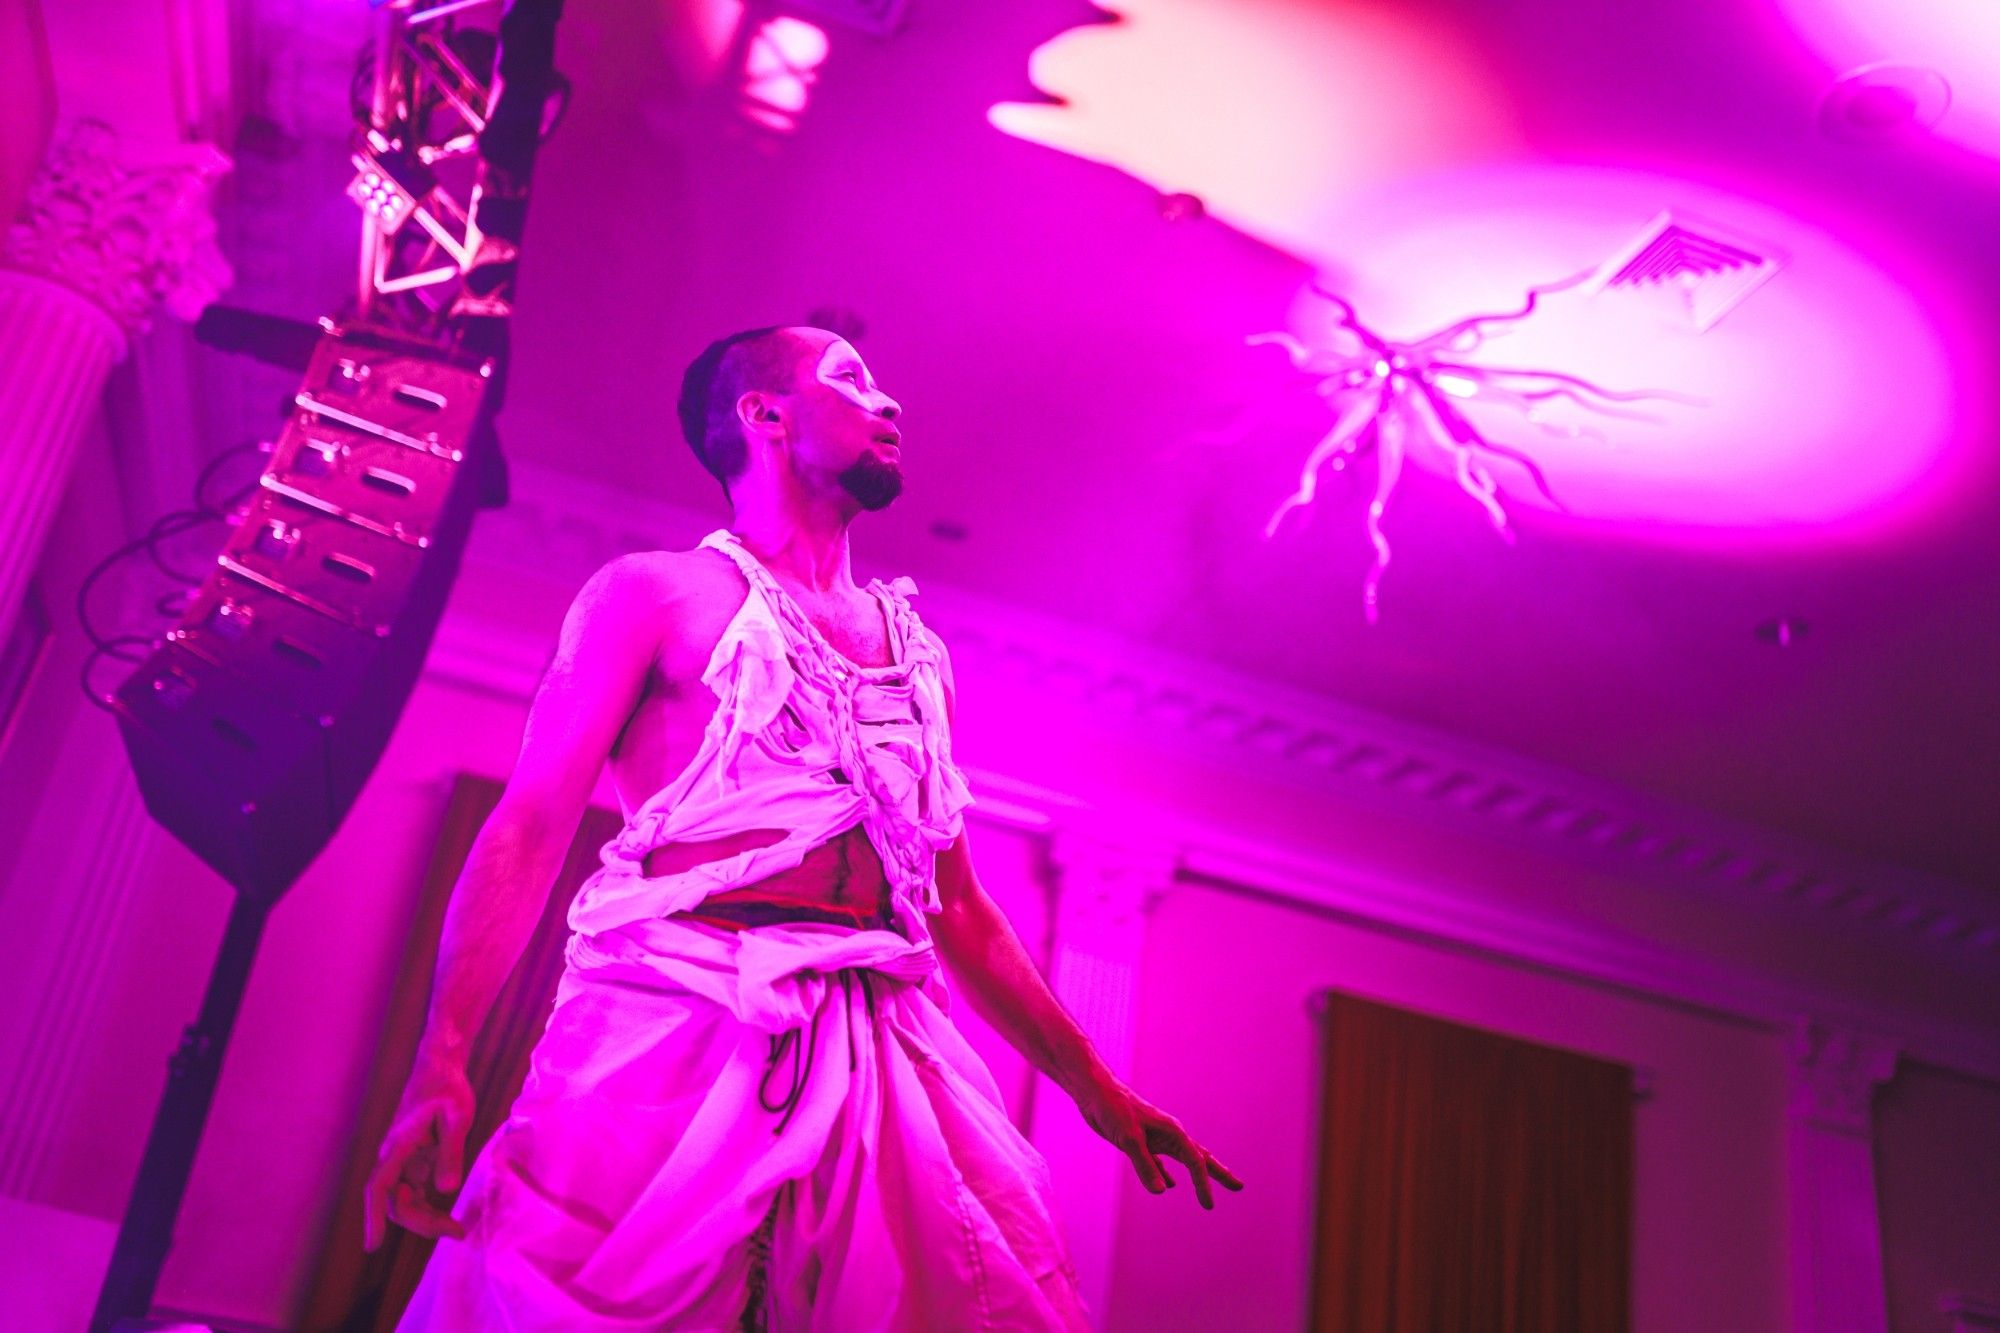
[(1833, 1076), (1836, 1242), (130, 231), (1108, 885)]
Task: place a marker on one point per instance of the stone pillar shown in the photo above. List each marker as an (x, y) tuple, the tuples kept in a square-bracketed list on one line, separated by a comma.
[(1836, 1219), (94, 883), (1103, 894), (105, 239)]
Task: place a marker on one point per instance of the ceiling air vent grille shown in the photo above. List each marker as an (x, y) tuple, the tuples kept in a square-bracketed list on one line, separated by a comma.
[(1708, 269)]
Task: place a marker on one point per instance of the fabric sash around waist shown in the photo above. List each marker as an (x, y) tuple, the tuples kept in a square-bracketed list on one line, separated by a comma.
[(740, 913), (773, 978)]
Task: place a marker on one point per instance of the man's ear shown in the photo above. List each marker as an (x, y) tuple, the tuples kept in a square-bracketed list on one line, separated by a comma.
[(760, 413)]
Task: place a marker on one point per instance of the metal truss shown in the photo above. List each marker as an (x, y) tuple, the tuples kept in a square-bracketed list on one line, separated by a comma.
[(442, 162)]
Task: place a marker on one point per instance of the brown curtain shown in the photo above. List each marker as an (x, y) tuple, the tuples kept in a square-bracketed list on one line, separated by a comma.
[(1468, 1182), (353, 1291)]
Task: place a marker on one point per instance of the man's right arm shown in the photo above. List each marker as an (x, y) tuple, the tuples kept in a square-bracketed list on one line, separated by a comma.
[(609, 641)]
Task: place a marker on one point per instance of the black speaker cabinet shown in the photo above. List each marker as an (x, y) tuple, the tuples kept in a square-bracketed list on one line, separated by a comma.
[(255, 723)]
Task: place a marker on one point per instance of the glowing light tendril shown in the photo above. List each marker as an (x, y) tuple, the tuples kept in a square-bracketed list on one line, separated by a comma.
[(1396, 391)]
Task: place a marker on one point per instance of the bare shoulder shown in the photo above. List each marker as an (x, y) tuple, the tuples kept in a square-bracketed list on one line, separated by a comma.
[(665, 581), (679, 601)]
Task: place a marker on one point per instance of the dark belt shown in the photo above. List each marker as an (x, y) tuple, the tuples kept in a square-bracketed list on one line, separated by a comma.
[(747, 913)]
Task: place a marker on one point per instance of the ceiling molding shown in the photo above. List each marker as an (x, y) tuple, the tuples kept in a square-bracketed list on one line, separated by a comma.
[(1352, 754)]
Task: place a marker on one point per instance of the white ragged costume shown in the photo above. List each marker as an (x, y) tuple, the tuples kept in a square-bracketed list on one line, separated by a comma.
[(773, 1127)]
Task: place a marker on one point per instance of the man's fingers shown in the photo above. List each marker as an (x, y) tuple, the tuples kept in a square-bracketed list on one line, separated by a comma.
[(1202, 1164), (451, 1152), (1150, 1174), (1127, 1132), (403, 1139), (1150, 1137), (1187, 1152), (1216, 1170), (374, 1210), (412, 1210), (412, 1150), (1199, 1170)]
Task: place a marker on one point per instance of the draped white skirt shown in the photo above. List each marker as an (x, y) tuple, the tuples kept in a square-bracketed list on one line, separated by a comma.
[(774, 1129)]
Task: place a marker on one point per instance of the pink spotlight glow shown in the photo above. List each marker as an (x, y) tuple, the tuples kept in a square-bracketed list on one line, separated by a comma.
[(1830, 400), (1272, 111), (1960, 39), (1843, 396)]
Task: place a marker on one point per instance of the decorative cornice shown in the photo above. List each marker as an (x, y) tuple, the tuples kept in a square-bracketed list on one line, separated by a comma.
[(131, 235), (1355, 756), (1104, 886)]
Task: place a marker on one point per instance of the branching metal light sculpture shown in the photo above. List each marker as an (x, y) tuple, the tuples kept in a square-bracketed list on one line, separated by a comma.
[(1389, 393)]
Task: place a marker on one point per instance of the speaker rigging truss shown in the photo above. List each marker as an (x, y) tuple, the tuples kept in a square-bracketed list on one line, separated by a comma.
[(442, 165), (255, 722)]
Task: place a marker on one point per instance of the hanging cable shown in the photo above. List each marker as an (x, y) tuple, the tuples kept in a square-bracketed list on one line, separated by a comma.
[(133, 648)]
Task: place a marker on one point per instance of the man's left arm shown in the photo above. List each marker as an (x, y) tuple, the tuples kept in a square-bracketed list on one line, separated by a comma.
[(993, 969)]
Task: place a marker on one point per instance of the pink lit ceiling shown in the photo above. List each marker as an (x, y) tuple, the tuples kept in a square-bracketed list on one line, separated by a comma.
[(1383, 146), (1082, 402)]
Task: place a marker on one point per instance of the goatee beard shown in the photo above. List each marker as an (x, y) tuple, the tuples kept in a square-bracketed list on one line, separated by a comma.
[(872, 482)]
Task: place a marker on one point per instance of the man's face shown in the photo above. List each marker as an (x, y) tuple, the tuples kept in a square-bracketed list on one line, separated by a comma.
[(845, 423)]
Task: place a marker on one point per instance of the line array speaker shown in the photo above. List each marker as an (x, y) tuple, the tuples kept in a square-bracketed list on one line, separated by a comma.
[(255, 723)]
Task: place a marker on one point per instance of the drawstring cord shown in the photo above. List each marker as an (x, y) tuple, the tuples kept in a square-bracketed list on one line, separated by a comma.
[(801, 1071), (847, 975), (847, 1004), (802, 1050)]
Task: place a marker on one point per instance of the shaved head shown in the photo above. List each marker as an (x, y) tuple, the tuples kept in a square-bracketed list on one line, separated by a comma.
[(766, 360), (793, 408)]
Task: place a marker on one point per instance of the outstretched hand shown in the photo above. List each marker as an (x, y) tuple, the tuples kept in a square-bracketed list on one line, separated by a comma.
[(1147, 1135), (422, 1160)]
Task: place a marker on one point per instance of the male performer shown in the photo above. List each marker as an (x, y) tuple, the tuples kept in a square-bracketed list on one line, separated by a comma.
[(749, 1109)]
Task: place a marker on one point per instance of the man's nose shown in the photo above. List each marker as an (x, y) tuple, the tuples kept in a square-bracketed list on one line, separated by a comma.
[(890, 409)]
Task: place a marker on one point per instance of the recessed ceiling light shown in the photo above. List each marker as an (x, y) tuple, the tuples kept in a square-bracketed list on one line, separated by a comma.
[(1883, 101), (838, 319)]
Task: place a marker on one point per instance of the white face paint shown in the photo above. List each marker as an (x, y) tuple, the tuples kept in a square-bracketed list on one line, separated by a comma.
[(842, 370), (861, 443)]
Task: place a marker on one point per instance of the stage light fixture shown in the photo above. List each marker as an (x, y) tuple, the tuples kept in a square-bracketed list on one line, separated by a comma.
[(390, 184)]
